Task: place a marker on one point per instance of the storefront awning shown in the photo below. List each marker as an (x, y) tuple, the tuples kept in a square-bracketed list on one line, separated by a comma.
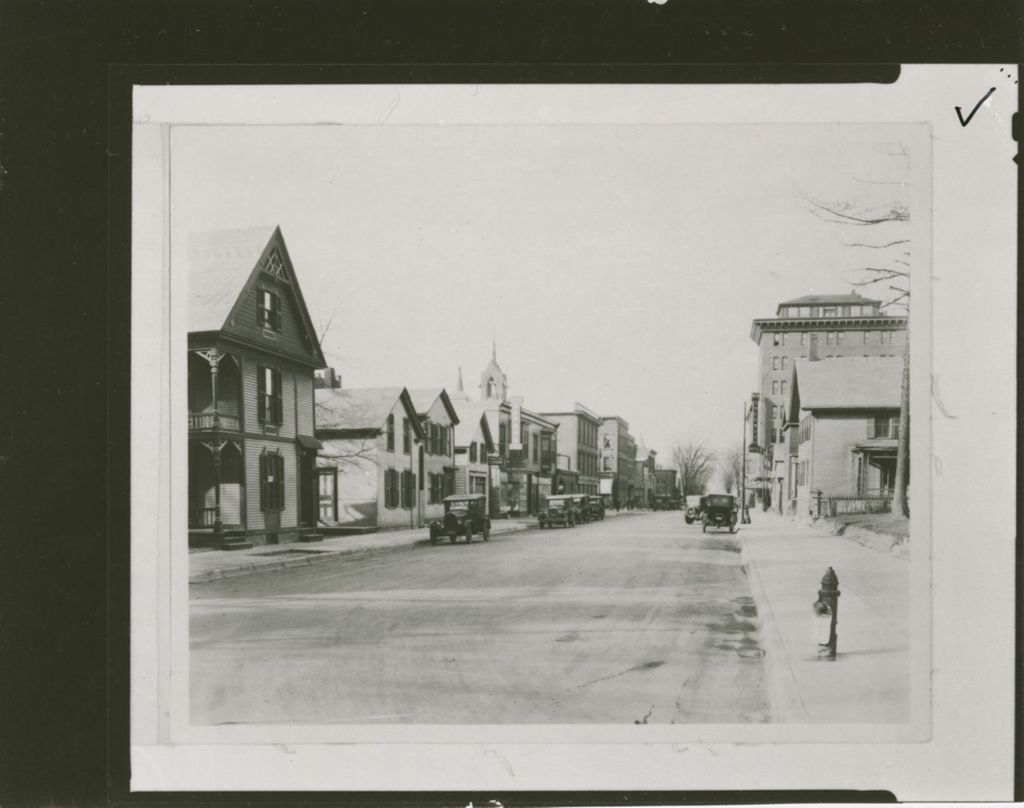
[(308, 442)]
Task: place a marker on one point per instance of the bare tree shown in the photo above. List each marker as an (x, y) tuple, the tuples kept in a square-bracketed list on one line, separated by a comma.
[(882, 260), (730, 469), (696, 465)]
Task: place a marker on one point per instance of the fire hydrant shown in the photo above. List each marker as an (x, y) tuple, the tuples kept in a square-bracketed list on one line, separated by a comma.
[(827, 607)]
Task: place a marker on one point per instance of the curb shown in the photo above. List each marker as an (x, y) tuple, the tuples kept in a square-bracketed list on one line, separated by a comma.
[(783, 693), (251, 568)]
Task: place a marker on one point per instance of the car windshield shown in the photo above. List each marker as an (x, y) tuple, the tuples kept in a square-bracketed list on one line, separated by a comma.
[(556, 504), (720, 502), (458, 506)]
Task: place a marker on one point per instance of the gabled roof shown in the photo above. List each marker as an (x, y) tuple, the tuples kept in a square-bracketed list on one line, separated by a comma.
[(423, 399), (361, 409), (221, 264), (848, 382), (472, 414)]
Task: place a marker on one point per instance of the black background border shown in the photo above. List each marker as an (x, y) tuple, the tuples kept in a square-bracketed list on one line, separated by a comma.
[(67, 69)]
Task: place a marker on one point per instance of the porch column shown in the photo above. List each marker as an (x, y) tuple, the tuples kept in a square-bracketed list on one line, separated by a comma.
[(215, 446), (213, 357)]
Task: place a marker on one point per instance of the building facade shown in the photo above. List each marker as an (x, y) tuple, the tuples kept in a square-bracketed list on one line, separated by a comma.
[(577, 439), (369, 459), (618, 459), (474, 445), (252, 353), (665, 482), (438, 420), (809, 327), (842, 428), (644, 481)]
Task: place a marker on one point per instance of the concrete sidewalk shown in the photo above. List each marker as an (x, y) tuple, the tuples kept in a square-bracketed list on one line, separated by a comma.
[(869, 681), (211, 565)]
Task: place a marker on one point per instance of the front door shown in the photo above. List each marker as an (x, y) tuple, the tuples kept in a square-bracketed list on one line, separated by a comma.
[(327, 495)]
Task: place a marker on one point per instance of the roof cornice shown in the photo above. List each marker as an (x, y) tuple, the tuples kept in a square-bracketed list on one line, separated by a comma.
[(862, 323)]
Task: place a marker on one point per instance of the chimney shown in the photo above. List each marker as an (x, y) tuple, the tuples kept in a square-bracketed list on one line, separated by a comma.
[(326, 378), (812, 354)]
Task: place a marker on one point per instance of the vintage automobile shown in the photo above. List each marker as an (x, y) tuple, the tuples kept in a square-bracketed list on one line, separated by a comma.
[(559, 510), (694, 508), (581, 502), (595, 506), (464, 515), (719, 511)]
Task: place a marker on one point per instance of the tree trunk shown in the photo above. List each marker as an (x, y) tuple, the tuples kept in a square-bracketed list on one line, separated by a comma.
[(899, 496)]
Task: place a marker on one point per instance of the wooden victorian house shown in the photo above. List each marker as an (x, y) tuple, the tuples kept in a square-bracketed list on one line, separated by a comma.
[(252, 351)]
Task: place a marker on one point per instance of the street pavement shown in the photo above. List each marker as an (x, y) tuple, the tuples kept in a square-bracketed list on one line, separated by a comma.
[(636, 619)]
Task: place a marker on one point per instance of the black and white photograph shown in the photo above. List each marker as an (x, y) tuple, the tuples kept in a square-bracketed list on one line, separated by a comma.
[(539, 427)]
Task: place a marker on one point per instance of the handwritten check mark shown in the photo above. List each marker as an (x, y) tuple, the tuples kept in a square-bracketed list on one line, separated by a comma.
[(963, 121)]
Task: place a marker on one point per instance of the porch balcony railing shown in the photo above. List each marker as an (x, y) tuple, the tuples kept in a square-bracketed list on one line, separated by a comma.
[(831, 506), (201, 517), (208, 421)]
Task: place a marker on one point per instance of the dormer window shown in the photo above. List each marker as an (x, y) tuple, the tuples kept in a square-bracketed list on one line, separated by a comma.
[(268, 311), (275, 266)]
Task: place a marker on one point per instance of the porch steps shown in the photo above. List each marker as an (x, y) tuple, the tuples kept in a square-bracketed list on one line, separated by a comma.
[(235, 543)]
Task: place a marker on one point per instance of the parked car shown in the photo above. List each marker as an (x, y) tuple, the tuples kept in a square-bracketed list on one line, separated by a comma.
[(464, 515), (559, 510), (694, 508), (595, 506), (582, 504), (719, 511)]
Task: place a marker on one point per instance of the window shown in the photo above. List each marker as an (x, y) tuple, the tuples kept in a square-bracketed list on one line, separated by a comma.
[(884, 426), (607, 464), (775, 362), (776, 339), (785, 362), (830, 337), (845, 311), (391, 433), (886, 337), (828, 311), (775, 388), (271, 481), (268, 311), (436, 489), (268, 395), (784, 385), (502, 438), (803, 338), (406, 436), (390, 488), (839, 337), (536, 448), (408, 489), (472, 452)]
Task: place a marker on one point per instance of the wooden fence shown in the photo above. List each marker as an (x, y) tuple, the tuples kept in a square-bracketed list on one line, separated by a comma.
[(829, 506)]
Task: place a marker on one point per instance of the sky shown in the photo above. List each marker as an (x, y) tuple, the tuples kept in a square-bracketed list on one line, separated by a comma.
[(618, 266)]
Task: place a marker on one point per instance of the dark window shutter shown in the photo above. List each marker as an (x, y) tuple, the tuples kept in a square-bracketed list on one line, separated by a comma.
[(263, 480), (277, 311), (259, 307), (280, 482), (278, 397)]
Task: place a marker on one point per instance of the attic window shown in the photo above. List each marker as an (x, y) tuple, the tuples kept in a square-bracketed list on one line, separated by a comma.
[(275, 266)]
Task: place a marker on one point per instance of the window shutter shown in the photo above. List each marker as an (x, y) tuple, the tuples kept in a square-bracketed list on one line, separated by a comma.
[(261, 391), (259, 306), (263, 480), (280, 482)]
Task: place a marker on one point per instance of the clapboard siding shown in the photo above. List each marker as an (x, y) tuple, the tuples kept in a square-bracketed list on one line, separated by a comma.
[(304, 404), (254, 447)]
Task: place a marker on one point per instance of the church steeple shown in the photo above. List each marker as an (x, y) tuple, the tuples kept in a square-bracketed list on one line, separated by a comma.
[(493, 382)]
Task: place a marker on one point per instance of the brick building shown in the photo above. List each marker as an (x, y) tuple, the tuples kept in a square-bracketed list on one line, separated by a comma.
[(618, 459)]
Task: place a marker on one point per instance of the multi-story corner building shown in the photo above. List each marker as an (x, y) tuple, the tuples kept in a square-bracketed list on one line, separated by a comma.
[(577, 437), (252, 352), (618, 459), (643, 482), (523, 467), (809, 327)]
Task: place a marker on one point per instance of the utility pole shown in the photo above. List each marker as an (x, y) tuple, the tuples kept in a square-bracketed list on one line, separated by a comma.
[(744, 514)]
